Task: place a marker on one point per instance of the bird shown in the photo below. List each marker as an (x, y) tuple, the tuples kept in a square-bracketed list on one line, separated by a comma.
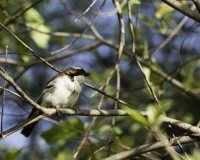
[(61, 91)]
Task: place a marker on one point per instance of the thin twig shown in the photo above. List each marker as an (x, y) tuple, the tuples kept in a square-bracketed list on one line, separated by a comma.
[(87, 22), (103, 89), (158, 134), (20, 92), (110, 137), (3, 88), (152, 147), (197, 4), (104, 93), (60, 34), (98, 150), (91, 24), (84, 139), (120, 51), (92, 4), (26, 46), (4, 93), (155, 70), (173, 33), (94, 119), (13, 18), (184, 10)]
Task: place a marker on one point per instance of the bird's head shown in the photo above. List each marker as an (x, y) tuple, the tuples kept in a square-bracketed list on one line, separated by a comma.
[(77, 73)]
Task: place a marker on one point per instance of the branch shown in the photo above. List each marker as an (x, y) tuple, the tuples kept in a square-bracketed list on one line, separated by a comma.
[(21, 93), (60, 34), (64, 111), (197, 4), (152, 147), (184, 10), (104, 93), (47, 112), (15, 16), (170, 79)]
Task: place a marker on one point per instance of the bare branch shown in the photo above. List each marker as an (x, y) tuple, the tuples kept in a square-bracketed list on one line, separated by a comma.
[(20, 92), (117, 68), (170, 79), (91, 24), (64, 111), (90, 6), (173, 33), (4, 93), (184, 10), (15, 16), (104, 93), (26, 46), (197, 4), (152, 146)]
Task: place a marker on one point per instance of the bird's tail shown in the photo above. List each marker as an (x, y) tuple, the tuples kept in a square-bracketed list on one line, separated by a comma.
[(26, 131)]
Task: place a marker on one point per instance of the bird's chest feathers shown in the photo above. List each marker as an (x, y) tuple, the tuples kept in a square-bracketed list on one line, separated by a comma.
[(66, 85), (64, 93)]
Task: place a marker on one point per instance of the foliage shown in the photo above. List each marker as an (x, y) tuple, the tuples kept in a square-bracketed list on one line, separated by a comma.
[(166, 44)]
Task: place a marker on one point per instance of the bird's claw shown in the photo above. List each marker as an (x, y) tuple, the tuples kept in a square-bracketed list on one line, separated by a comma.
[(58, 110)]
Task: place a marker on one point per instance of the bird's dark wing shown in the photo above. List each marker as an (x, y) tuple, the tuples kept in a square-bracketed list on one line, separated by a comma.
[(26, 131), (48, 87)]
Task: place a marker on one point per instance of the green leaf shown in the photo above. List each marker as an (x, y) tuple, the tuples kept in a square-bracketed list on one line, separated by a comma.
[(74, 121), (153, 78), (163, 27), (188, 118), (57, 133), (117, 130), (194, 155), (100, 77), (136, 116), (136, 127), (162, 10), (12, 155), (35, 20), (134, 2), (67, 131), (104, 128), (25, 58), (32, 15), (155, 116), (41, 40), (151, 22)]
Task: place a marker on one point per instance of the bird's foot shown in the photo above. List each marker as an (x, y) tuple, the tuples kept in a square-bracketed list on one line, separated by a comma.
[(58, 110)]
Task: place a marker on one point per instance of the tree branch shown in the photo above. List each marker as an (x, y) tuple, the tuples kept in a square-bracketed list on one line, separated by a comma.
[(21, 93), (170, 79), (184, 10), (64, 111), (152, 146)]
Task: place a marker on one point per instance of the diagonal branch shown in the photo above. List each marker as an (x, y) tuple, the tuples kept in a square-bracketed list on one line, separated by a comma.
[(184, 10), (21, 93), (152, 147), (170, 79)]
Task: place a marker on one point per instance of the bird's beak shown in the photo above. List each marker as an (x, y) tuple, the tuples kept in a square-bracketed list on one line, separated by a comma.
[(86, 74)]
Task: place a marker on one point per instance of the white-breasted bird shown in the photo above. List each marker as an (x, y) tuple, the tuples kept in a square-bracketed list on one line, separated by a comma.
[(61, 91)]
